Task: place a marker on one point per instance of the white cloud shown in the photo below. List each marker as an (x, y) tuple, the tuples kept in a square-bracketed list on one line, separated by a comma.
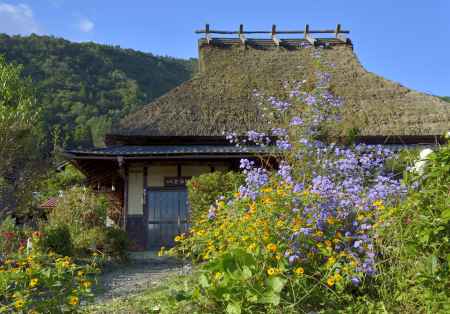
[(17, 19), (86, 25)]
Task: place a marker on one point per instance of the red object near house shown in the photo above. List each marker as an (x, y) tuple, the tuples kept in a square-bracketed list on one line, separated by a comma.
[(49, 203)]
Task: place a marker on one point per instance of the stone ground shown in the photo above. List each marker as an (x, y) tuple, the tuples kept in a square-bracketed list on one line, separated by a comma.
[(144, 270)]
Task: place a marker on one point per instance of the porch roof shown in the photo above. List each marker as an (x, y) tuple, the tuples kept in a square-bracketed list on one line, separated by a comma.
[(171, 150)]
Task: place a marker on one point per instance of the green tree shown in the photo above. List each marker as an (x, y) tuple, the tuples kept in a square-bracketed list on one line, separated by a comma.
[(20, 135)]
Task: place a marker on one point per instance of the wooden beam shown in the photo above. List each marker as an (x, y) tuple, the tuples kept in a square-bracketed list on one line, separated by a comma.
[(308, 36), (241, 34), (208, 34), (339, 34), (274, 35)]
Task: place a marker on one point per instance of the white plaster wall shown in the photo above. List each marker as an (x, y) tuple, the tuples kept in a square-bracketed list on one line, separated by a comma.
[(135, 191), (156, 174)]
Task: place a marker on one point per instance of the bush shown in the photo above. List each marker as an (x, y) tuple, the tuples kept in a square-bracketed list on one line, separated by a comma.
[(84, 213), (415, 243), (13, 238), (116, 243), (44, 283), (56, 239), (205, 189)]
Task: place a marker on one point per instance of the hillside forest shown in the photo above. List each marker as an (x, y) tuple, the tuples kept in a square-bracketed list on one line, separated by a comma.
[(83, 88)]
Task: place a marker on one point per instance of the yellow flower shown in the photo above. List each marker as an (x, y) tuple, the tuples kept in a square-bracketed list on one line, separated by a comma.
[(271, 247), (73, 300), (80, 273), (272, 271), (330, 220), (267, 201), (378, 204), (267, 190), (177, 238), (338, 277), (218, 275), (331, 261), (19, 304), (330, 281), (86, 284), (328, 243), (253, 207), (299, 271), (33, 282), (252, 247)]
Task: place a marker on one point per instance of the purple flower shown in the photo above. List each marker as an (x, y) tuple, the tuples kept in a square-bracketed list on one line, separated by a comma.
[(310, 100), (355, 281), (284, 172), (283, 144), (296, 121)]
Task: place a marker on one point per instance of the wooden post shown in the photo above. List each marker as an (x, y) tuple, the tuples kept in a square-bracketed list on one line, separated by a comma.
[(338, 30), (274, 35), (207, 34), (241, 34), (308, 37), (339, 35)]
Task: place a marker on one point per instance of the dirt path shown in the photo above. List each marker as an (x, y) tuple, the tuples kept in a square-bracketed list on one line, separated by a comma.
[(138, 274)]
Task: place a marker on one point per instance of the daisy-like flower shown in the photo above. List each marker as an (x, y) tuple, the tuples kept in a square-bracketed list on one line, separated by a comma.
[(271, 247), (73, 300), (33, 282)]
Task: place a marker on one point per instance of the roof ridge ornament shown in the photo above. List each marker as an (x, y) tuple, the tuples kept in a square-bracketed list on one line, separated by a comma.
[(338, 36)]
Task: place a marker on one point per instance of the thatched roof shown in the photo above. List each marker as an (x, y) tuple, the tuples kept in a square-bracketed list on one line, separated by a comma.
[(219, 98)]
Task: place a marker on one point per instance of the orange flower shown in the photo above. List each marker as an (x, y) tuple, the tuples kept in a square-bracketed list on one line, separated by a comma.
[(271, 247)]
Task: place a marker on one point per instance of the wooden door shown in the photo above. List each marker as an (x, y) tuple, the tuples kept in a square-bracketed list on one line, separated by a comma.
[(167, 216)]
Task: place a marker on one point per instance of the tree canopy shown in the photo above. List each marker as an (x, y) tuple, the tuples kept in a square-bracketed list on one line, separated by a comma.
[(85, 87), (20, 135)]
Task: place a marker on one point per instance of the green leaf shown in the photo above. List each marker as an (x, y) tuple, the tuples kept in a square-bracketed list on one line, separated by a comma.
[(246, 273), (270, 298), (276, 284), (233, 308), (203, 281), (446, 214)]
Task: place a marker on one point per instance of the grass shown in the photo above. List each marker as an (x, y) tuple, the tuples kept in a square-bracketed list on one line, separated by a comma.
[(166, 298)]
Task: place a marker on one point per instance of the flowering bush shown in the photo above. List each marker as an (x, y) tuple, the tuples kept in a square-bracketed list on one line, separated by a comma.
[(414, 241), (206, 188), (301, 237), (12, 238), (43, 283)]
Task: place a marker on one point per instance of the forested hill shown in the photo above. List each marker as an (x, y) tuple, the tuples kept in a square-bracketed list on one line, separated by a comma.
[(84, 87)]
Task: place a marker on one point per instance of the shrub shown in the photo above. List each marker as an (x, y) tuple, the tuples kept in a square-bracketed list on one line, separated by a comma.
[(84, 213), (116, 243), (12, 237), (302, 238), (205, 189), (56, 239), (414, 241), (44, 283)]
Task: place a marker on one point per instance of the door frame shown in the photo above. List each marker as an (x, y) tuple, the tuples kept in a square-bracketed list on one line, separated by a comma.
[(147, 207)]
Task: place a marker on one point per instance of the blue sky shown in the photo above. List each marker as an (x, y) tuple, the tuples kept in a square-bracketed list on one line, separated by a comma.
[(405, 41)]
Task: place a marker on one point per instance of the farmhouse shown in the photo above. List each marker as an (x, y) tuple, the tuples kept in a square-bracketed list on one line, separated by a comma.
[(152, 152)]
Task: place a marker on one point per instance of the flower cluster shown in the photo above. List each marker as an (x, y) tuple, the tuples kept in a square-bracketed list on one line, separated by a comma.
[(310, 223), (44, 282)]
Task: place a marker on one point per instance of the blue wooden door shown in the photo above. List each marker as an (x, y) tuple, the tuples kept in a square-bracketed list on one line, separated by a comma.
[(167, 216)]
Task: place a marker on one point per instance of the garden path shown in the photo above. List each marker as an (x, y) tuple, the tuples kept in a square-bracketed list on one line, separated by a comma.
[(142, 271)]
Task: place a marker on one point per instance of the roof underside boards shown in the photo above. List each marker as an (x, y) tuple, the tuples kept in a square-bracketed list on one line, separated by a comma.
[(172, 150), (219, 98)]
